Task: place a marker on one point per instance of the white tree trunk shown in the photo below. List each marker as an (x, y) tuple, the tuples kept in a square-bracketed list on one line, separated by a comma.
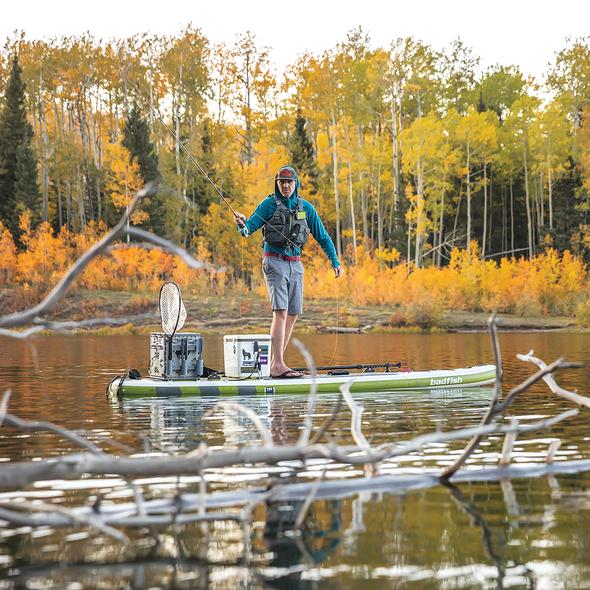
[(335, 178), (527, 199), (468, 195)]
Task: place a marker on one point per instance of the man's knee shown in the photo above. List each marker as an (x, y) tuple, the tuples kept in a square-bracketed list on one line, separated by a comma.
[(280, 313)]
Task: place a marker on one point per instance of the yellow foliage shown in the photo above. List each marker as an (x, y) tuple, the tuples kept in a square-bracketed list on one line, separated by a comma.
[(8, 258), (124, 179), (550, 283)]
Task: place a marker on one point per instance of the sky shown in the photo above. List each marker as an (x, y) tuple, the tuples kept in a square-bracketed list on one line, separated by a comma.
[(525, 33)]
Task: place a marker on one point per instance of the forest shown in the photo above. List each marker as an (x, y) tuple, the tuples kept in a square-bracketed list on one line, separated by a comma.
[(433, 175)]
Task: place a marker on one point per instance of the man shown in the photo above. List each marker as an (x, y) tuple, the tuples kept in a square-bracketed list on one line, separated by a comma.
[(286, 221)]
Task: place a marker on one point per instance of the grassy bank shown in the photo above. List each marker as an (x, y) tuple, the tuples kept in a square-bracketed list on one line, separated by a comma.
[(251, 313)]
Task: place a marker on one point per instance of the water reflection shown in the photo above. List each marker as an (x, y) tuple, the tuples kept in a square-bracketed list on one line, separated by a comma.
[(317, 538), (517, 533)]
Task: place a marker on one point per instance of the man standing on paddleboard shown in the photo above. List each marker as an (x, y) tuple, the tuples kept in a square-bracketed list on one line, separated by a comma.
[(286, 221)]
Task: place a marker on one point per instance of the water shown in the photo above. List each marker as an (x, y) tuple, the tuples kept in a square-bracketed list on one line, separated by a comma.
[(523, 533)]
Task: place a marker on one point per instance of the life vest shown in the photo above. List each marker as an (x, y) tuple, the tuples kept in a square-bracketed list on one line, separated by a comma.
[(287, 227)]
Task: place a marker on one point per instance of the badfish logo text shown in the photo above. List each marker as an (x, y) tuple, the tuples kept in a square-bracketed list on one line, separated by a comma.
[(446, 381)]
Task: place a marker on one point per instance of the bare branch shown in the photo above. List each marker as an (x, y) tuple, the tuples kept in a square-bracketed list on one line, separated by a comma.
[(356, 422), (308, 422), (22, 334), (66, 467), (7, 512), (34, 314), (493, 325), (550, 381), (540, 374), (508, 445), (552, 450), (310, 498), (327, 422)]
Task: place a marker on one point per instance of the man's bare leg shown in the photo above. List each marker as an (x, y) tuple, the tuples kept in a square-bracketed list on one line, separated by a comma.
[(289, 325), (277, 338)]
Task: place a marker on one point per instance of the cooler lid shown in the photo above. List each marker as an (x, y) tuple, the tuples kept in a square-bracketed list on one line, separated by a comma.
[(247, 337)]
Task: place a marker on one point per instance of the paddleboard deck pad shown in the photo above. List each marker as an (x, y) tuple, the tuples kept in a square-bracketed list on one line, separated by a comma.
[(126, 387)]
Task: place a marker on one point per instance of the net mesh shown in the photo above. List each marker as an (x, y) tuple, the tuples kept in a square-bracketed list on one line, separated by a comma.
[(172, 310)]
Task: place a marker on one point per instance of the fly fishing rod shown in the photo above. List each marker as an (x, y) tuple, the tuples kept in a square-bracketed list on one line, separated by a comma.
[(203, 172), (367, 368)]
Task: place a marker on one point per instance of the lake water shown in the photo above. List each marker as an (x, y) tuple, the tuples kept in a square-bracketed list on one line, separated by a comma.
[(522, 533)]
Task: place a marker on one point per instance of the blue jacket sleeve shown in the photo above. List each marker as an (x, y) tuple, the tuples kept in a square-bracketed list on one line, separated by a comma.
[(263, 211), (322, 237)]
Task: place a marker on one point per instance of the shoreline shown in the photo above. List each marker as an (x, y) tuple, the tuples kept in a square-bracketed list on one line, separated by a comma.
[(238, 313)]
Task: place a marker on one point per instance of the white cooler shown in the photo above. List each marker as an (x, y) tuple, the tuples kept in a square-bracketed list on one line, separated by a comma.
[(240, 353)]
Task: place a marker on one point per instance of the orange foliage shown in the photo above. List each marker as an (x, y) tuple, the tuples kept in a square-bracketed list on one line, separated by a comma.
[(47, 256), (550, 283)]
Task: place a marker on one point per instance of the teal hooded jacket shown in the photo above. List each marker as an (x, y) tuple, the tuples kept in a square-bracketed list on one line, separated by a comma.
[(267, 207)]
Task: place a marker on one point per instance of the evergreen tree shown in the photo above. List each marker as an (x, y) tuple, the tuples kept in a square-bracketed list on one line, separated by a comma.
[(136, 138), (303, 153), (18, 165)]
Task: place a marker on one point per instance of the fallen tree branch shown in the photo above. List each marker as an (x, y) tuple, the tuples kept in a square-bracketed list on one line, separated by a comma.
[(580, 400), (71, 466)]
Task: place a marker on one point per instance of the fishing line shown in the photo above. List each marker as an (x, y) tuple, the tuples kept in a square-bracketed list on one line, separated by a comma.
[(192, 158), (337, 323)]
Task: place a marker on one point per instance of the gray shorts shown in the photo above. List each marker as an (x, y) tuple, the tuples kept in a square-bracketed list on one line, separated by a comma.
[(284, 281)]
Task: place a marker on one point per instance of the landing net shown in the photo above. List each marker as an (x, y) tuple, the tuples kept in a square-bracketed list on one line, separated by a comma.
[(172, 310)]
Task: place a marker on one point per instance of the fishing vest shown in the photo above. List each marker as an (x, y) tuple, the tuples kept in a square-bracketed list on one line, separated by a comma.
[(287, 227)]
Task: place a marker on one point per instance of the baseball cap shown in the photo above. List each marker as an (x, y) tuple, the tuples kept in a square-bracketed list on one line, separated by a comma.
[(286, 173)]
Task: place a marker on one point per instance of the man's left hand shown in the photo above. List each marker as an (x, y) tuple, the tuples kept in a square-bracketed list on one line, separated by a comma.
[(338, 271)]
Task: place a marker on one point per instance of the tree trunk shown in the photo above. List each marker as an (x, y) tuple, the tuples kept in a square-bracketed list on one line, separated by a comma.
[(59, 205), (395, 145), (379, 212), (485, 210), (362, 193), (352, 212), (86, 191), (511, 215), (69, 205), (409, 245), (441, 223), (176, 110), (550, 190), (44, 160), (468, 195), (420, 212), (541, 199), (249, 157), (527, 199), (335, 178), (491, 210)]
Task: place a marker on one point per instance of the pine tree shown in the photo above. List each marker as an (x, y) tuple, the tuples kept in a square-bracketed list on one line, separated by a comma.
[(18, 165), (303, 153), (136, 138)]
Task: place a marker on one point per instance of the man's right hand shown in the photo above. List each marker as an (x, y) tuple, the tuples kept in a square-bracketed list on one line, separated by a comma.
[(240, 218)]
